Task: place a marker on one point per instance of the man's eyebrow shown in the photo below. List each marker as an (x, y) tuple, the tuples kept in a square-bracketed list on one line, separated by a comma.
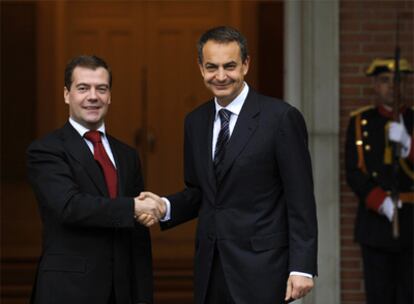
[(210, 64), (89, 85), (82, 84), (231, 63)]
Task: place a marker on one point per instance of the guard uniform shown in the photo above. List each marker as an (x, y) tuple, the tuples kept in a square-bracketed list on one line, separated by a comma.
[(388, 262)]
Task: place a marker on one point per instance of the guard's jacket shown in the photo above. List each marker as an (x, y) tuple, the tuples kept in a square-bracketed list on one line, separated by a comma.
[(369, 173)]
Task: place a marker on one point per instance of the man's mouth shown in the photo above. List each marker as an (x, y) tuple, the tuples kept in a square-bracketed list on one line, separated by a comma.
[(91, 107), (221, 85)]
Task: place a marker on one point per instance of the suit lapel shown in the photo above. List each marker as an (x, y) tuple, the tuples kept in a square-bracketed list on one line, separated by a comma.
[(245, 126), (77, 147), (206, 145)]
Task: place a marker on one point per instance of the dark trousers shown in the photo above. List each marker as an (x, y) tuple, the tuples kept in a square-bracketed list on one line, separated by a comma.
[(218, 291), (388, 276), (112, 297)]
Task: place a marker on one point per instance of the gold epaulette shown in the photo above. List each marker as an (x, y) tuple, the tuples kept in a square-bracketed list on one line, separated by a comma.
[(360, 110)]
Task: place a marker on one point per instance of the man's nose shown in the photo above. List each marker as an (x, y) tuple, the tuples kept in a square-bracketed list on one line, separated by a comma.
[(92, 94), (221, 74)]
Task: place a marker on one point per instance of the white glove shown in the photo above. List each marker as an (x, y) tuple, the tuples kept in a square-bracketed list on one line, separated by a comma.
[(398, 133), (387, 208)]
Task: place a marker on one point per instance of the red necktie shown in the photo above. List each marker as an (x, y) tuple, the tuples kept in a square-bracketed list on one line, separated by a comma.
[(103, 159)]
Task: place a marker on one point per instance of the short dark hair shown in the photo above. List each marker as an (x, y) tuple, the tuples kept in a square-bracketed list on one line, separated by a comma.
[(223, 34), (86, 61)]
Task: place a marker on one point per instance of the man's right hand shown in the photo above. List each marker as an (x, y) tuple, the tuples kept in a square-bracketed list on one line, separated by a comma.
[(149, 208)]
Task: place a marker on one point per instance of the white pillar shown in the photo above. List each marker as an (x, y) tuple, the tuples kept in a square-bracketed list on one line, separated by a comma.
[(312, 85)]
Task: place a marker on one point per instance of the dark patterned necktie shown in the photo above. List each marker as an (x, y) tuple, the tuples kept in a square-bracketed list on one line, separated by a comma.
[(222, 140), (104, 161)]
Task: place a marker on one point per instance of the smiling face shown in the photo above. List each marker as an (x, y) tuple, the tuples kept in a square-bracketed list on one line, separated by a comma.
[(223, 70), (89, 96)]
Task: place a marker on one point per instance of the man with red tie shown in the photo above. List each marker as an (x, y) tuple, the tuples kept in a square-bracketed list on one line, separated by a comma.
[(86, 183)]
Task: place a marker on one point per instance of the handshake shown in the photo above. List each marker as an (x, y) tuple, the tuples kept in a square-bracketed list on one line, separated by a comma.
[(149, 208)]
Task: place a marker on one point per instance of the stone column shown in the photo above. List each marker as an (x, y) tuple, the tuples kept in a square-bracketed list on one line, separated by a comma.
[(312, 85)]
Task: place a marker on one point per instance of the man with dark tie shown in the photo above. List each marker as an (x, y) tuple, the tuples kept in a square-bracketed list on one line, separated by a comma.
[(249, 181), (86, 183)]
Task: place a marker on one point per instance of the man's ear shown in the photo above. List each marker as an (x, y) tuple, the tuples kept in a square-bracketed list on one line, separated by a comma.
[(246, 65), (66, 95), (201, 69)]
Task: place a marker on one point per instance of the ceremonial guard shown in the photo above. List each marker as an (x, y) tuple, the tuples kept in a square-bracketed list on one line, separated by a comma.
[(372, 173)]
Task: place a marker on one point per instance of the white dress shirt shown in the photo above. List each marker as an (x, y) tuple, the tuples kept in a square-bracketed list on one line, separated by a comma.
[(82, 130)]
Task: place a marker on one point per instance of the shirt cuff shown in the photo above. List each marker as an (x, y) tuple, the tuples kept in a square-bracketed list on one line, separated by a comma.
[(167, 215), (303, 274)]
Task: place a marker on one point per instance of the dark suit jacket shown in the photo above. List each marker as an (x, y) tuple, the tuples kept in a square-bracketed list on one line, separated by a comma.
[(261, 215), (91, 244)]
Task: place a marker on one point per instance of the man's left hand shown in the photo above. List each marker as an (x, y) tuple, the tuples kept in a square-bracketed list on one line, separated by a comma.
[(297, 287)]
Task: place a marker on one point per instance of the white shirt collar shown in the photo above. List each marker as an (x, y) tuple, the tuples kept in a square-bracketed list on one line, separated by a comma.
[(236, 104), (82, 130)]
